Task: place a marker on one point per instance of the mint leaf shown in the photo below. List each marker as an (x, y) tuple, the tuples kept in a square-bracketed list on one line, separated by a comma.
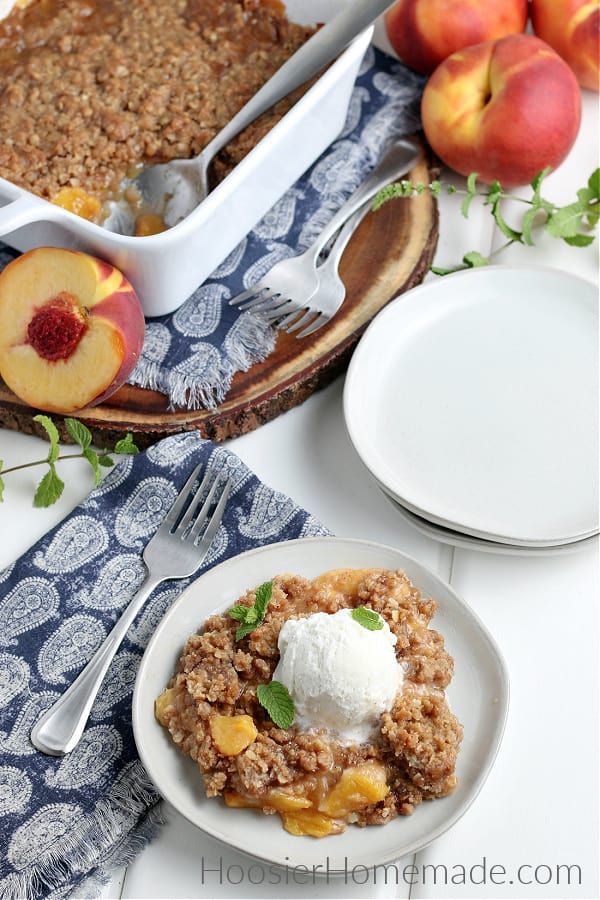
[(49, 489), (470, 260), (466, 204), (92, 458), (250, 617), (275, 698), (245, 629), (472, 182), (592, 213), (474, 260), (471, 193), (565, 222), (579, 240), (536, 183), (238, 612), (527, 225), (504, 227), (79, 432), (52, 432), (263, 595), (105, 461), (368, 618), (438, 270), (126, 445)]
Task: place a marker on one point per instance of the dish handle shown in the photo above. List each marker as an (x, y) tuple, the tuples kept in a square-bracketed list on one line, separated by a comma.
[(24, 210)]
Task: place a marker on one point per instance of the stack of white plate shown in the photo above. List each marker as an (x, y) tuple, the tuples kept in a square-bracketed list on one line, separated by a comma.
[(473, 402)]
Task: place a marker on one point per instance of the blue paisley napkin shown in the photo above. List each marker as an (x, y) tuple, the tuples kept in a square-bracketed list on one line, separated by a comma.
[(192, 354), (66, 822)]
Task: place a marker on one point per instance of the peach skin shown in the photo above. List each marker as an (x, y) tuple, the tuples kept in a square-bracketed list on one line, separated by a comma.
[(572, 28), (424, 32), (505, 109)]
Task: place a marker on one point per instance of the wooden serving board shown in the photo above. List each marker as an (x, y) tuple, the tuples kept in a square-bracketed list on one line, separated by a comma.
[(390, 252)]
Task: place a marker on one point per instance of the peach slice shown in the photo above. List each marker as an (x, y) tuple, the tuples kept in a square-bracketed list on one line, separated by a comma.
[(239, 801), (71, 329), (232, 734), (358, 787), (310, 822), (285, 801), (278, 799), (162, 703)]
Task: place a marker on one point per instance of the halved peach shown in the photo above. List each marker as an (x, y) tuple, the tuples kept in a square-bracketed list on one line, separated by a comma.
[(71, 329)]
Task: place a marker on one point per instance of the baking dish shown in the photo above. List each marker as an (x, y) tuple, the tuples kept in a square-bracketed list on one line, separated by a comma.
[(166, 268)]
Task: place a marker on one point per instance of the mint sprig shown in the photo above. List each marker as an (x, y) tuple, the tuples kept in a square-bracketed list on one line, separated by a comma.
[(250, 617), (276, 699), (573, 223), (368, 618), (51, 487)]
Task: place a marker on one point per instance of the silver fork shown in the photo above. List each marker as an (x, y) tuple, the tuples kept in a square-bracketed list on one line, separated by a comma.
[(330, 293), (176, 551), (296, 279)]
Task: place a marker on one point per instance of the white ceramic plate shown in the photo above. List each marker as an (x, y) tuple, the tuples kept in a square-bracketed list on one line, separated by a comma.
[(474, 400), (468, 542), (478, 695)]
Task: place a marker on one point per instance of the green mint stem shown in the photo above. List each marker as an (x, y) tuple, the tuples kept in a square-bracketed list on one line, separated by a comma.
[(41, 462), (575, 222)]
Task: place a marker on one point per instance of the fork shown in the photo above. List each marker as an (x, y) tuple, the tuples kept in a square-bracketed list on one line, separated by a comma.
[(330, 293), (176, 551), (297, 278)]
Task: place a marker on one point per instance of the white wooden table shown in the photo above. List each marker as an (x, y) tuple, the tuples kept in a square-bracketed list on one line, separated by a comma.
[(533, 830)]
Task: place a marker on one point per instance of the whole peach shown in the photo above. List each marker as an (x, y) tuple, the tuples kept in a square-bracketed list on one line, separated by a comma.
[(572, 27), (424, 32), (505, 109)]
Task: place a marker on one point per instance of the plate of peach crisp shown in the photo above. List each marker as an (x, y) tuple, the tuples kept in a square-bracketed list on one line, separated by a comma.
[(320, 700)]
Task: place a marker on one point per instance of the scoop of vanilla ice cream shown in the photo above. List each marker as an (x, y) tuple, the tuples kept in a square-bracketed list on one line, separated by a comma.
[(340, 675)]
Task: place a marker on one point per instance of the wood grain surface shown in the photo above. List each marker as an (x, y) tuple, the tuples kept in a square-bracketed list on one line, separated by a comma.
[(390, 252)]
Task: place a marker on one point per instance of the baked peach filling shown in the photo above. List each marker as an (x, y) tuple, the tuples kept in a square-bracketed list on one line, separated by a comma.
[(79, 202), (318, 815)]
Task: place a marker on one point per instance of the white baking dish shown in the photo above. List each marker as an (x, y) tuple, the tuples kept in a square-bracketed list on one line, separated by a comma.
[(166, 268)]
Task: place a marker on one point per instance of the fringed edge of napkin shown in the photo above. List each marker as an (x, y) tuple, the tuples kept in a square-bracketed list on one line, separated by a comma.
[(98, 847), (254, 342), (122, 856)]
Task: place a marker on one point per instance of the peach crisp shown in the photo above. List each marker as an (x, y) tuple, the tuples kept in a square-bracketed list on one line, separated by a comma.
[(258, 745)]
